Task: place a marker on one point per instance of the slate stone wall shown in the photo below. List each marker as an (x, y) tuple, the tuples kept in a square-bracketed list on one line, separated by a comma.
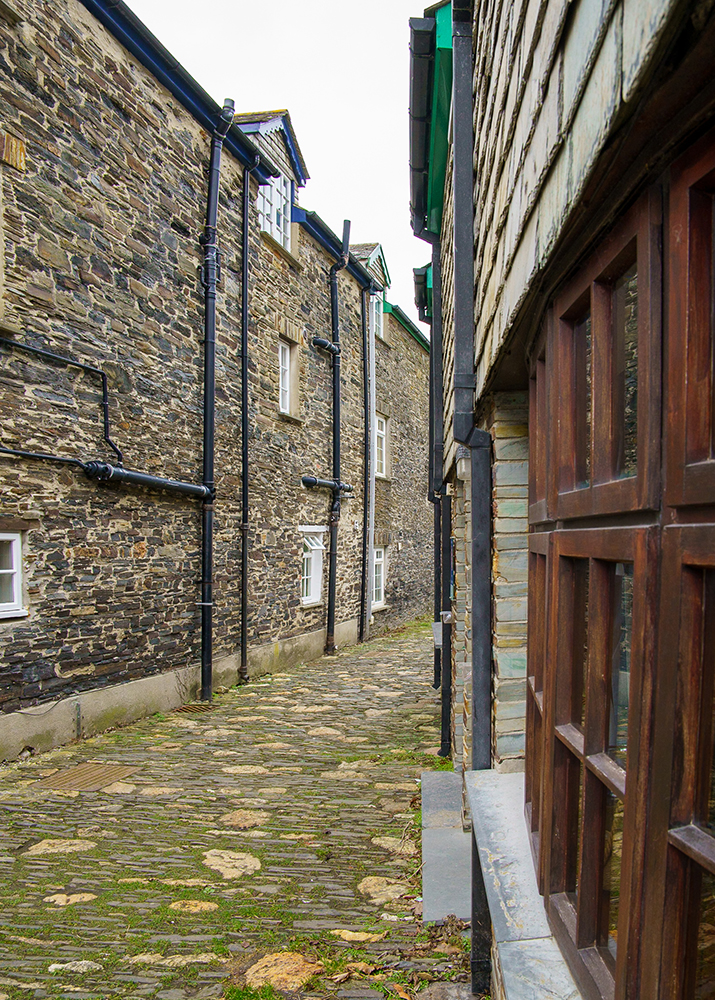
[(403, 515), (100, 222)]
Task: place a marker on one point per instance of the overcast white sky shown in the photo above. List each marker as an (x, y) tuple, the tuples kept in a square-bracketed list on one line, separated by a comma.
[(342, 70)]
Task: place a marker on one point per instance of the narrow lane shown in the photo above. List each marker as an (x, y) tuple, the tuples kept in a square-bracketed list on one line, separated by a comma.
[(285, 818)]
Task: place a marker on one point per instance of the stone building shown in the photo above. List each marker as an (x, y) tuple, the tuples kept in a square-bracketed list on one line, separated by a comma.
[(121, 550), (562, 162)]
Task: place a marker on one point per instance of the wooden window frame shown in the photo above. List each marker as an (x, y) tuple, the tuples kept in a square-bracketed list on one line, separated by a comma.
[(607, 493), (690, 370), (683, 743), (571, 755), (539, 424), (540, 555)]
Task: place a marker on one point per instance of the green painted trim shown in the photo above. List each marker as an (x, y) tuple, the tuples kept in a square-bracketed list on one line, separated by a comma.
[(404, 320), (439, 122)]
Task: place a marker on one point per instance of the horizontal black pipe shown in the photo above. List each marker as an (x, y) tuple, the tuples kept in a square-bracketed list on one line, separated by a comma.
[(41, 455), (106, 473), (73, 364), (327, 345), (327, 484)]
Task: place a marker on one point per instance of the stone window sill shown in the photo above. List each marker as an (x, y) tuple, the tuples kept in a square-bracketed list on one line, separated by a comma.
[(525, 956), (311, 604), (278, 248), (16, 613), (375, 610), (289, 418)]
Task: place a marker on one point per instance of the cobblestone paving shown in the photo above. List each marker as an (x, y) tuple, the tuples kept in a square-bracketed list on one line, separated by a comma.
[(286, 813)]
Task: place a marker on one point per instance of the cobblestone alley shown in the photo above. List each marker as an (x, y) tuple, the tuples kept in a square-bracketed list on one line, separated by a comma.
[(286, 818)]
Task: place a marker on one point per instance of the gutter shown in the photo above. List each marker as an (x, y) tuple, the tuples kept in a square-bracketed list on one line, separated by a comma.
[(133, 34), (404, 320), (464, 377)]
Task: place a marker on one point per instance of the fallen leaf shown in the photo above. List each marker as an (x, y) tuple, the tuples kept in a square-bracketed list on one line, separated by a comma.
[(231, 864), (56, 846), (341, 977), (61, 899), (347, 935), (361, 967), (400, 991), (284, 970), (244, 819), (193, 906), (382, 890)]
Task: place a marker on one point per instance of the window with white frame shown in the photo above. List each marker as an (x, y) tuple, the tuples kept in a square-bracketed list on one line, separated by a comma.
[(311, 584), (284, 400), (378, 577), (274, 208), (376, 309), (11, 575), (380, 445)]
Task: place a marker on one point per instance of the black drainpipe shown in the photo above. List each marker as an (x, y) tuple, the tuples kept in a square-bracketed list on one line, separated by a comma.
[(445, 748), (437, 449), (366, 465), (337, 487), (210, 276), (243, 668)]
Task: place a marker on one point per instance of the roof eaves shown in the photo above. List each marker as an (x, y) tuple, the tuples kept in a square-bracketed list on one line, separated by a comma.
[(422, 45), (148, 50), (404, 320)]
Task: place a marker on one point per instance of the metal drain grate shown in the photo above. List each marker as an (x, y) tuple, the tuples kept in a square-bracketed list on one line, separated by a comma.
[(85, 777), (195, 707)]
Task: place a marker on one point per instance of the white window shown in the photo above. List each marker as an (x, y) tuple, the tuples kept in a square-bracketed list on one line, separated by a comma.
[(311, 584), (274, 208), (284, 376), (11, 576), (376, 309), (378, 577), (380, 445)]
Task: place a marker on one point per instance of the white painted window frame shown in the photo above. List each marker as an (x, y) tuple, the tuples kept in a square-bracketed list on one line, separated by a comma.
[(381, 443), (275, 199), (311, 581), (379, 576), (13, 608), (284, 376), (376, 304)]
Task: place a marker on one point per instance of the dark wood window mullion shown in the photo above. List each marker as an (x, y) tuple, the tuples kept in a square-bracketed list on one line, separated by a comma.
[(599, 647), (604, 439)]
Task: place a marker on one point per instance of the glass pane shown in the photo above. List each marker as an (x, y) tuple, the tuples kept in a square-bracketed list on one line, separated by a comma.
[(612, 854), (621, 662), (307, 568), (580, 641), (625, 372), (705, 976), (7, 588), (6, 555), (582, 362)]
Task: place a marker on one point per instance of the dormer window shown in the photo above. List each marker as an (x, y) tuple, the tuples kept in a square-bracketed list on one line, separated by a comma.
[(274, 208), (376, 309)]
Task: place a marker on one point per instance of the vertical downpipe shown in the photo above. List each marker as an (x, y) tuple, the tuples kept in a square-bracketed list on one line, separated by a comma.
[(445, 749), (210, 277), (335, 506), (371, 470), (363, 633), (243, 667)]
